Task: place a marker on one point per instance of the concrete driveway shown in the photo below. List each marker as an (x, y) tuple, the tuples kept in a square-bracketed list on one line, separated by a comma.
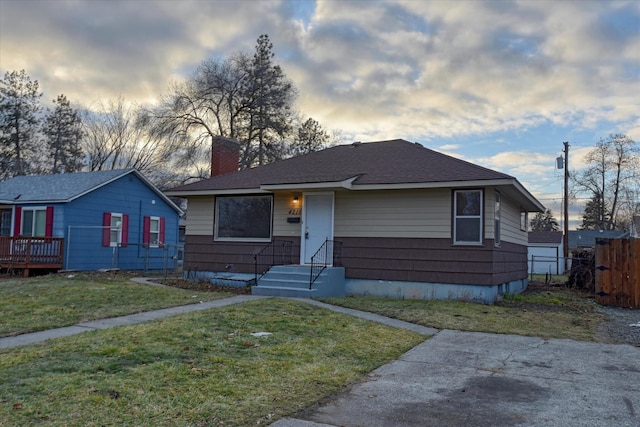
[(478, 379)]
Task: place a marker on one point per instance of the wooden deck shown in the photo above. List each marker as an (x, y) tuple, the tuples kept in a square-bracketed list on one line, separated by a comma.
[(28, 253)]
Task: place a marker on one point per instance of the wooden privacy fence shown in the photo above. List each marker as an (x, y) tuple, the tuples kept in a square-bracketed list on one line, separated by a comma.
[(618, 272)]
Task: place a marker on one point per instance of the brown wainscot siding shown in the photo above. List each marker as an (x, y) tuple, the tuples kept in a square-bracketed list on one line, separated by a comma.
[(202, 253), (432, 261)]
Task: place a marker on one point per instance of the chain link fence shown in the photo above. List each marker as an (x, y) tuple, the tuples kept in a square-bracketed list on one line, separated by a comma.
[(85, 251)]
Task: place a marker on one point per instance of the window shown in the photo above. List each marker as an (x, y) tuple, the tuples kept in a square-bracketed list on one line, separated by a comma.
[(467, 218), (243, 218), (5, 222), (496, 216), (153, 231), (115, 236), (524, 220), (36, 222), (115, 231)]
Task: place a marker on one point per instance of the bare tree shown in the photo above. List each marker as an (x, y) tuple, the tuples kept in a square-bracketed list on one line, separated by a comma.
[(613, 171), (120, 137), (19, 106), (207, 105), (245, 98)]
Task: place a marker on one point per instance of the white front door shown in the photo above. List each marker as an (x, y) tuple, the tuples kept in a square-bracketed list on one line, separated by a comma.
[(317, 224)]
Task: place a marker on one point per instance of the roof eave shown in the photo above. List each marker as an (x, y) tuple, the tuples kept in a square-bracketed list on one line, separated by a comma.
[(216, 192), (346, 184)]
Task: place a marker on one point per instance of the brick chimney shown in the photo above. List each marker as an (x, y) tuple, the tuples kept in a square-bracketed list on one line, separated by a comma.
[(225, 156)]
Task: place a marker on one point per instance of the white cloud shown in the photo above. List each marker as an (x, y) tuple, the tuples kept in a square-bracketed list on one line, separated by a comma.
[(418, 70)]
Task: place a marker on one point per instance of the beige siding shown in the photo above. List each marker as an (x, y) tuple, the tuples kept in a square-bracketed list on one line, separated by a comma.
[(283, 208), (511, 224), (395, 213), (489, 210), (200, 216), (509, 219)]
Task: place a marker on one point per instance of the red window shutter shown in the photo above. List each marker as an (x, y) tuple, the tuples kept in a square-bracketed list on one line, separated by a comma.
[(48, 224), (106, 231), (125, 230), (17, 223), (146, 236), (162, 225)]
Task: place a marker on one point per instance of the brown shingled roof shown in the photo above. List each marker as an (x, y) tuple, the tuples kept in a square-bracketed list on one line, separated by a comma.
[(385, 162)]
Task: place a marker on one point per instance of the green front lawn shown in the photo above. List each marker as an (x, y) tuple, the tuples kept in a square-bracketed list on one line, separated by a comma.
[(198, 369), (547, 312), (56, 300)]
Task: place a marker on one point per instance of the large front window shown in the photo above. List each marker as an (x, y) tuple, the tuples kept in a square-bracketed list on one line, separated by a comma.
[(33, 222), (243, 218), (467, 218)]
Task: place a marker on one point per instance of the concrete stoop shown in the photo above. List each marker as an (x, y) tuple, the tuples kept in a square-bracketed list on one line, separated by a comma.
[(293, 281)]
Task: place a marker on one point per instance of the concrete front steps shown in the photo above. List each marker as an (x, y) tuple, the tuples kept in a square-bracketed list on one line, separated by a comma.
[(293, 281)]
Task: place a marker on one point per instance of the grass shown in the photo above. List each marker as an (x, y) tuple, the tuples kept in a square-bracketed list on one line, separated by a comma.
[(58, 300), (198, 369), (543, 312), (550, 278)]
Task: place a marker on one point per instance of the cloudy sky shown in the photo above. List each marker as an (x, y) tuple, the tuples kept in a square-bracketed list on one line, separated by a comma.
[(499, 83)]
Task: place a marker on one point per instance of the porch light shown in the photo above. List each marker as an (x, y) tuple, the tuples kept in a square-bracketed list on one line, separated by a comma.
[(295, 200)]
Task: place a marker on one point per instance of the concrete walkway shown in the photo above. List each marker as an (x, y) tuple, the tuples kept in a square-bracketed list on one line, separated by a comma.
[(132, 319), (457, 378)]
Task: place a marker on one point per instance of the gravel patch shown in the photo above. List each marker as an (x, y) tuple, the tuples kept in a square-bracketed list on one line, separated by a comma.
[(617, 327)]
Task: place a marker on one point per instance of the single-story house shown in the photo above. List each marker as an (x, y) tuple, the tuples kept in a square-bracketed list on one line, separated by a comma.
[(546, 252), (86, 221), (400, 219)]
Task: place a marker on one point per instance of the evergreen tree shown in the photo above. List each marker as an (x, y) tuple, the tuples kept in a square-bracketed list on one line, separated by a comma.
[(19, 105), (62, 129), (310, 137), (270, 94), (596, 216), (544, 221)]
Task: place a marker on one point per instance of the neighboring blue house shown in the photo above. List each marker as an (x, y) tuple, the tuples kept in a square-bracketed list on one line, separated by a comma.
[(87, 221)]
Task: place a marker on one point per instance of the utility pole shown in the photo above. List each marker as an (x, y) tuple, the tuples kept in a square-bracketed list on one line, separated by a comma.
[(565, 249)]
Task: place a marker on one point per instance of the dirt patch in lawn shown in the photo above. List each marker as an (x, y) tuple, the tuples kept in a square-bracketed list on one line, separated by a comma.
[(203, 286)]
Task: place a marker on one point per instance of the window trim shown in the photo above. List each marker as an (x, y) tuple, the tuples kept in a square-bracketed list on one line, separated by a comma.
[(524, 220), (118, 241), (123, 231), (152, 233), (479, 217), (216, 220), (497, 218), (33, 210)]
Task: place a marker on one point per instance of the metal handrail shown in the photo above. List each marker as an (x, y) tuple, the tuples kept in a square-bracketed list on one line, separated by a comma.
[(277, 252), (330, 250)]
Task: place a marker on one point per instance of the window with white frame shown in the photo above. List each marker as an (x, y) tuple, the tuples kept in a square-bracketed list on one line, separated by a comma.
[(467, 217), (243, 218), (524, 220), (154, 231), (116, 230), (34, 222), (497, 212)]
